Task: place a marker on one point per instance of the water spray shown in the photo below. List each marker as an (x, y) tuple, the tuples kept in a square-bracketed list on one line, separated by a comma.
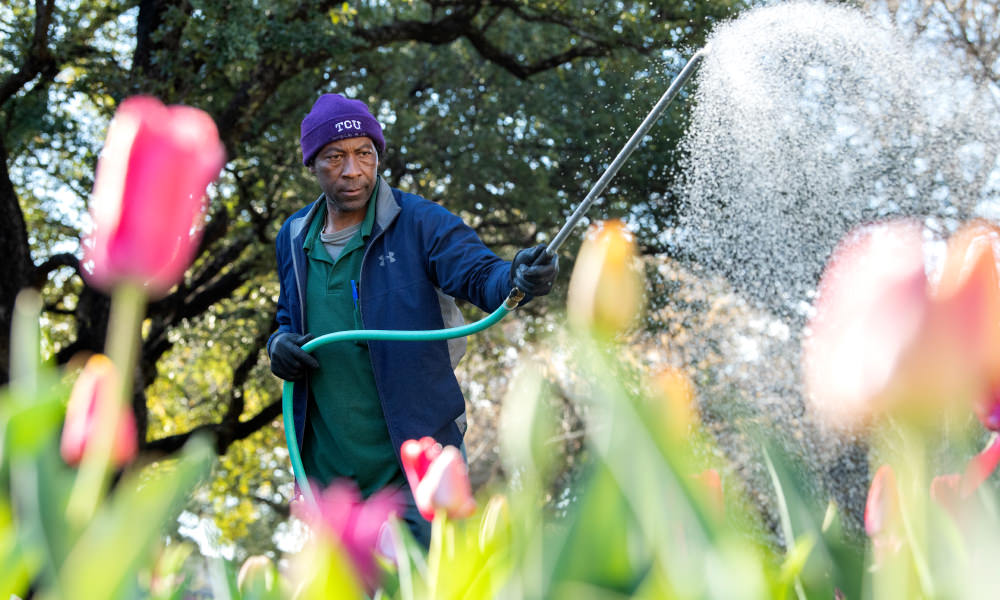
[(513, 299)]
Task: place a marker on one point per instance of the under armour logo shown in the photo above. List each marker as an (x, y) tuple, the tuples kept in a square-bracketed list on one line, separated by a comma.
[(390, 256)]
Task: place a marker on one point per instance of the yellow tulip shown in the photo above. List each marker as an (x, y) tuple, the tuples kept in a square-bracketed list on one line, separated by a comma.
[(605, 290)]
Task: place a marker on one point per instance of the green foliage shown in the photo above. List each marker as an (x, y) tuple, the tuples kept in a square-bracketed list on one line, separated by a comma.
[(42, 544), (504, 112)]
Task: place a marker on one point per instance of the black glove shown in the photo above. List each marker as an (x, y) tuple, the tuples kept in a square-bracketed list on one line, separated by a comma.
[(288, 360), (533, 271)]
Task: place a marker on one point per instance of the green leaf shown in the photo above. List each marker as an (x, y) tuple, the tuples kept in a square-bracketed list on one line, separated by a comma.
[(795, 559), (17, 562), (115, 544)]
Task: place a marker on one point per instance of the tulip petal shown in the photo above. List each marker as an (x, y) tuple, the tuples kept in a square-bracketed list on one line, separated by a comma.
[(872, 303), (355, 524), (882, 502), (945, 492), (416, 457), (981, 467)]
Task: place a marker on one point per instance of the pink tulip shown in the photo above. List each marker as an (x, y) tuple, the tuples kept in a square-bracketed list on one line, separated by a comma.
[(438, 478), (93, 388), (882, 514), (148, 196), (883, 338), (353, 523)]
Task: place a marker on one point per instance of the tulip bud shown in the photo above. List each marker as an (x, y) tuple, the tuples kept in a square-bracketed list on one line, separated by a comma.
[(882, 515), (605, 290), (945, 492), (94, 388), (445, 487), (148, 195), (256, 576), (711, 484), (416, 457), (674, 394), (495, 522)]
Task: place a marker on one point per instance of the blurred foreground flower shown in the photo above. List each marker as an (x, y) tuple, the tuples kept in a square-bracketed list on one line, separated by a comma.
[(673, 393), (438, 478), (711, 484), (496, 521), (95, 387), (340, 516), (256, 577), (605, 290), (149, 194), (953, 492), (882, 515), (883, 338)]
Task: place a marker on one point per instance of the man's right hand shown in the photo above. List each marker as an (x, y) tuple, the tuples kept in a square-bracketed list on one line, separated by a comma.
[(288, 360)]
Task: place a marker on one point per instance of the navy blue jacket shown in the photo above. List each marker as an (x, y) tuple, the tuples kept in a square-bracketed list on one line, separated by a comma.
[(417, 250)]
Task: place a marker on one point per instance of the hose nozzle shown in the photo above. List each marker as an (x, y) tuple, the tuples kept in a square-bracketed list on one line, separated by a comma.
[(513, 299)]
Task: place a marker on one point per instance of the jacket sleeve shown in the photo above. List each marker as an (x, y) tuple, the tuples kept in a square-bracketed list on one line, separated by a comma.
[(458, 261), (283, 315)]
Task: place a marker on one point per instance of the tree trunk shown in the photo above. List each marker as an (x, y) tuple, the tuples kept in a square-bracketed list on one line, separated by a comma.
[(16, 266)]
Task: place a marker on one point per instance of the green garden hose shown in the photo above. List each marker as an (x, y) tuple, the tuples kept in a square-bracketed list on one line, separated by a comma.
[(298, 472)]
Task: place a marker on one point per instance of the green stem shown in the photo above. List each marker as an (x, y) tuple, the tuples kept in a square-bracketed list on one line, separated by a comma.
[(24, 344), (913, 506), (128, 307), (435, 554)]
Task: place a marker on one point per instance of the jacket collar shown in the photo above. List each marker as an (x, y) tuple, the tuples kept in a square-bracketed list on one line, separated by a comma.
[(386, 210)]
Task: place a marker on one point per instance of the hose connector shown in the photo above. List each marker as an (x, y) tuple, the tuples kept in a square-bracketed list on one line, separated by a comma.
[(513, 299)]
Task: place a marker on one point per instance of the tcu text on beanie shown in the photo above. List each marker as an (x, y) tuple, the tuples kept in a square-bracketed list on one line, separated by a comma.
[(334, 117)]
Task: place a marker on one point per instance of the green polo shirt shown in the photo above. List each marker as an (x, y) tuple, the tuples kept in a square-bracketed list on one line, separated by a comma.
[(346, 434)]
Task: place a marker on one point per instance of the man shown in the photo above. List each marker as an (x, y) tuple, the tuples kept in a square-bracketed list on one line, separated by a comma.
[(368, 256)]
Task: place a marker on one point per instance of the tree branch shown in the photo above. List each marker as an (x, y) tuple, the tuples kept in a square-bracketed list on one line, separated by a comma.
[(244, 429), (39, 56), (56, 261)]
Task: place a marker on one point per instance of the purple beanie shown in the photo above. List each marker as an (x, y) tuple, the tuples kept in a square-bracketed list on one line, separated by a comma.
[(334, 117)]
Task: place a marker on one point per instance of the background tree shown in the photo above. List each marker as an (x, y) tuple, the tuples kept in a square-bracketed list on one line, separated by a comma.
[(505, 111)]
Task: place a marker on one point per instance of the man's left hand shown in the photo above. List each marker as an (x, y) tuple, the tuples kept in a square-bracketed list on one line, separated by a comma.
[(533, 271)]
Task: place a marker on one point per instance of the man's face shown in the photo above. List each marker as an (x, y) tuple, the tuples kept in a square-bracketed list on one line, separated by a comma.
[(345, 170)]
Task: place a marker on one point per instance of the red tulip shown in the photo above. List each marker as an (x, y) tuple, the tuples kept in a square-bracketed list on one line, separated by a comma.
[(438, 478), (148, 196), (445, 487), (416, 457), (354, 524), (93, 388)]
